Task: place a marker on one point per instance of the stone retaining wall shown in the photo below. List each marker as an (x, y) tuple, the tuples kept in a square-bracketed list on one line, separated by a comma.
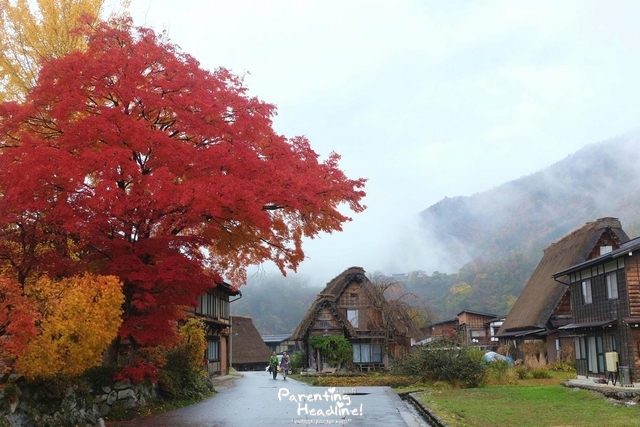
[(618, 393), (80, 406)]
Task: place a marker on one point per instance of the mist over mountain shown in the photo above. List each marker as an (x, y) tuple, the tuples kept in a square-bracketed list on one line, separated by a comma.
[(529, 213), (276, 304)]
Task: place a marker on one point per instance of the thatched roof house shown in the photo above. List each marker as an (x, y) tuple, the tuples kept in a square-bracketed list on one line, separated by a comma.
[(352, 306), (328, 300), (543, 305), (248, 351), (605, 300)]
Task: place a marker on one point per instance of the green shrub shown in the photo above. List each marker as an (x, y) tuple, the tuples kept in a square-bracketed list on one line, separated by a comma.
[(563, 366), (102, 376), (369, 380), (296, 361), (52, 388), (168, 384), (194, 384), (540, 373), (522, 372), (336, 348), (12, 393), (181, 380), (444, 360), (499, 372), (121, 412)]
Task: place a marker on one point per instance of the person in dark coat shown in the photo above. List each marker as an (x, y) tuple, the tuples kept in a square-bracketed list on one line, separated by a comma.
[(284, 364)]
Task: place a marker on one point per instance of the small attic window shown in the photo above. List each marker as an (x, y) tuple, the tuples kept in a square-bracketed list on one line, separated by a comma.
[(350, 299), (605, 249)]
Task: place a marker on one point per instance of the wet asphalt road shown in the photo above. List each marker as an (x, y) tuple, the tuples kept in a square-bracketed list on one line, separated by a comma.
[(256, 399)]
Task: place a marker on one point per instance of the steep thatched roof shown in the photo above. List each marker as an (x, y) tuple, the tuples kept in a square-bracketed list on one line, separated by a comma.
[(542, 293), (328, 298), (247, 345)]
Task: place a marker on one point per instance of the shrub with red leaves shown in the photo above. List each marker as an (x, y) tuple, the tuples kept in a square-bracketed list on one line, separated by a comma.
[(138, 371)]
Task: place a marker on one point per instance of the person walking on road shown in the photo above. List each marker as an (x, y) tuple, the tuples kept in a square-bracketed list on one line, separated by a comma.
[(284, 364), (273, 364)]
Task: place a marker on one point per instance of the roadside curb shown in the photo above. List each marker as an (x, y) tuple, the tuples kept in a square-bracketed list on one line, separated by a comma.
[(427, 413), (401, 406)]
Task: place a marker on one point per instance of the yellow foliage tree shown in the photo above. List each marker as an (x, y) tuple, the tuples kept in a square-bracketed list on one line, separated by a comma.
[(459, 296), (193, 333), (33, 30), (80, 318)]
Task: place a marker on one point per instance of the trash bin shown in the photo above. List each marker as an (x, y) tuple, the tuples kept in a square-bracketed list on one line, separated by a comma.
[(625, 376)]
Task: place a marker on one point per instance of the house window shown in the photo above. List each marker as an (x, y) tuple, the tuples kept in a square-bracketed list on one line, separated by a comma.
[(478, 333), (200, 308), (208, 305), (352, 316), (595, 356), (214, 303), (367, 353), (612, 342), (225, 309), (612, 286), (586, 292), (213, 351), (376, 353), (581, 350), (350, 298), (605, 249)]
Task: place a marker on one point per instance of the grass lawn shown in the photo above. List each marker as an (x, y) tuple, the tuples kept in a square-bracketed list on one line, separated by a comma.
[(533, 404), (542, 402)]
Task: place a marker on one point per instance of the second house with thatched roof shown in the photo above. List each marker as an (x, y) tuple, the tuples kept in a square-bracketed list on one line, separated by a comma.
[(543, 309), (248, 351), (353, 307)]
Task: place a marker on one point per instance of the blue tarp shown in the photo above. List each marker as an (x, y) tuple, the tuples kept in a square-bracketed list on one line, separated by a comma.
[(492, 356)]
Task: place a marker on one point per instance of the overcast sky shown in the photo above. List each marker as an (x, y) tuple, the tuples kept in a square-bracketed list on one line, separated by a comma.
[(426, 99)]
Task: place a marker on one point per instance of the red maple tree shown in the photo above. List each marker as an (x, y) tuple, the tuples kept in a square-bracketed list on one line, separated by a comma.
[(129, 159)]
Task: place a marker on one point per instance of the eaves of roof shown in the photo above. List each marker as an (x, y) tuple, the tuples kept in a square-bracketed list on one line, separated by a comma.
[(624, 249), (520, 333), (598, 324)]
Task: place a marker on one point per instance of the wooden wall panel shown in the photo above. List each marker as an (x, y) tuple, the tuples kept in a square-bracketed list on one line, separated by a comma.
[(632, 270)]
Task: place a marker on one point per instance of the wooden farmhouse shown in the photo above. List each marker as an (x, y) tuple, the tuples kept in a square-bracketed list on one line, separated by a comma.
[(378, 329), (470, 328), (444, 328), (474, 328), (605, 300), (280, 343), (248, 351), (214, 309), (544, 306)]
